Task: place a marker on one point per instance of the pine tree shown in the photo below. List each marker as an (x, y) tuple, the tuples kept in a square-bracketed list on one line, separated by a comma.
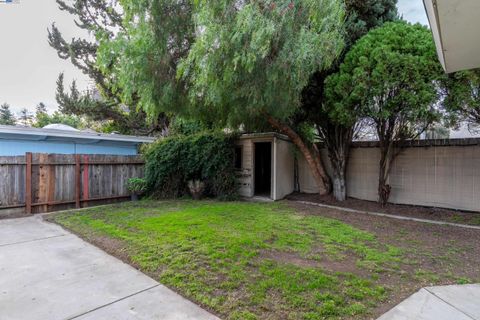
[(41, 108), (6, 116), (25, 117), (102, 19)]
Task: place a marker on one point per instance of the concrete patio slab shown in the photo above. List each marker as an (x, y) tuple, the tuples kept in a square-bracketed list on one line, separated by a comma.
[(49, 273), (427, 305), (464, 297), (27, 229), (157, 303)]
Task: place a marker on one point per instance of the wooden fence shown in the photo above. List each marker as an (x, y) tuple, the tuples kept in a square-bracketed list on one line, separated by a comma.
[(38, 182)]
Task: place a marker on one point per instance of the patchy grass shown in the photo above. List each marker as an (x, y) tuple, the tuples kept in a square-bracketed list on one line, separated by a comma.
[(251, 260)]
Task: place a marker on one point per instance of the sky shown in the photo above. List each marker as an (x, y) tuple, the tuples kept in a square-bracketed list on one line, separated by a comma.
[(29, 67)]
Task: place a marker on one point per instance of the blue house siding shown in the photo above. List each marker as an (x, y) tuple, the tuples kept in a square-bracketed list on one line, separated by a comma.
[(16, 147)]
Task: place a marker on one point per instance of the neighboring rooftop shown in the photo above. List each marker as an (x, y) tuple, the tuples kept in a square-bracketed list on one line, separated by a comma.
[(44, 133)]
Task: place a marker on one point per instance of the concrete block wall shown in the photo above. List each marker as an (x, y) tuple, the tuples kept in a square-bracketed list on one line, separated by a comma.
[(446, 176)]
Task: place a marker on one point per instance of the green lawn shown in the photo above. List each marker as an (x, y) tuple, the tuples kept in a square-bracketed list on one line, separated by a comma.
[(248, 260)]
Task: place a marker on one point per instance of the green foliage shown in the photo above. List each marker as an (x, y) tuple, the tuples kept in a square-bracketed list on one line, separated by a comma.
[(463, 99), (102, 103), (391, 75), (255, 59), (249, 58), (6, 116), (181, 126), (364, 15), (173, 161), (143, 56), (137, 185), (42, 119)]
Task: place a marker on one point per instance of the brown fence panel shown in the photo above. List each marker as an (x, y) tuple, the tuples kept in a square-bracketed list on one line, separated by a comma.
[(37, 183)]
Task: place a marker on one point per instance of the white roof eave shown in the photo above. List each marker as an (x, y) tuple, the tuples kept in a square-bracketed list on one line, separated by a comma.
[(455, 25)]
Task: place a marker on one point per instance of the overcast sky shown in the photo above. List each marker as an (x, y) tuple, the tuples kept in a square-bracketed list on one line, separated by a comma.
[(29, 67)]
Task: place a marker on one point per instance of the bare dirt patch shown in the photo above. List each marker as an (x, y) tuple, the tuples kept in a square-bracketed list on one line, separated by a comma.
[(345, 265), (433, 254), (437, 214)]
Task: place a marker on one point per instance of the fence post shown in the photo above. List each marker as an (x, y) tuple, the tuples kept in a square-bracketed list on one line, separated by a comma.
[(78, 179), (85, 180), (28, 183)]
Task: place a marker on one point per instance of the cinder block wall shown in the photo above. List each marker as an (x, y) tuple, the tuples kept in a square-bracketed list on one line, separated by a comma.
[(446, 176)]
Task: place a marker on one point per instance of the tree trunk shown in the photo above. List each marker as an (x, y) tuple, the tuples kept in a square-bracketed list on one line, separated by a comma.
[(312, 156), (384, 189), (338, 140), (339, 185)]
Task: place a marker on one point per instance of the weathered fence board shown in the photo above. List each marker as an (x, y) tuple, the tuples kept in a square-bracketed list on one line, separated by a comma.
[(40, 183)]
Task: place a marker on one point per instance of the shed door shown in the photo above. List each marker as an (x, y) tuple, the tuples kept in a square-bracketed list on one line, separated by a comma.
[(263, 168)]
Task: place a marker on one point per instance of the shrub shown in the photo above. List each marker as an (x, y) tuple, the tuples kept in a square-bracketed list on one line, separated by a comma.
[(207, 157), (136, 185)]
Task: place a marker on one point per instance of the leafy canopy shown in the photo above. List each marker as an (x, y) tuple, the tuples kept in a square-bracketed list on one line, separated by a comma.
[(103, 103), (43, 118), (221, 60), (390, 75), (256, 57), (463, 97), (143, 56)]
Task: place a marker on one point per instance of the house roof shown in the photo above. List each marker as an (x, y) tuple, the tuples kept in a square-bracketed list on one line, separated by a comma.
[(26, 133), (455, 26)]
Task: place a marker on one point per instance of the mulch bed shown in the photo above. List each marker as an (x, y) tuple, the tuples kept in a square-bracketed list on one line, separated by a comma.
[(437, 214)]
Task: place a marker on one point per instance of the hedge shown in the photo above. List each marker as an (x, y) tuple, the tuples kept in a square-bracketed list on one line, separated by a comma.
[(173, 161)]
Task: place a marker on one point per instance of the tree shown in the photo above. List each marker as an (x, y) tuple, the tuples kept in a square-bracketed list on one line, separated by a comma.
[(391, 76), (25, 117), (43, 119), (336, 131), (254, 60), (243, 62), (6, 116), (462, 100), (103, 19), (41, 108)]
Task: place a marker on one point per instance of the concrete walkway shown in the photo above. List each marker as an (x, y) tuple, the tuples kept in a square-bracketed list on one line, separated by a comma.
[(49, 273), (461, 302)]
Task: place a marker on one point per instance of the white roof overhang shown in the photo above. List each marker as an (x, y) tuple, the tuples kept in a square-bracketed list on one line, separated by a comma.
[(455, 26)]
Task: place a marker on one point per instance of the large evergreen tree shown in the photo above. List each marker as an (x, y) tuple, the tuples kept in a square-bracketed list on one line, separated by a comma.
[(227, 60), (101, 19), (391, 76), (6, 116), (336, 131)]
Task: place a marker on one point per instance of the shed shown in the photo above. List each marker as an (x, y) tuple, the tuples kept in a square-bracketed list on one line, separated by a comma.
[(265, 165), (16, 141)]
